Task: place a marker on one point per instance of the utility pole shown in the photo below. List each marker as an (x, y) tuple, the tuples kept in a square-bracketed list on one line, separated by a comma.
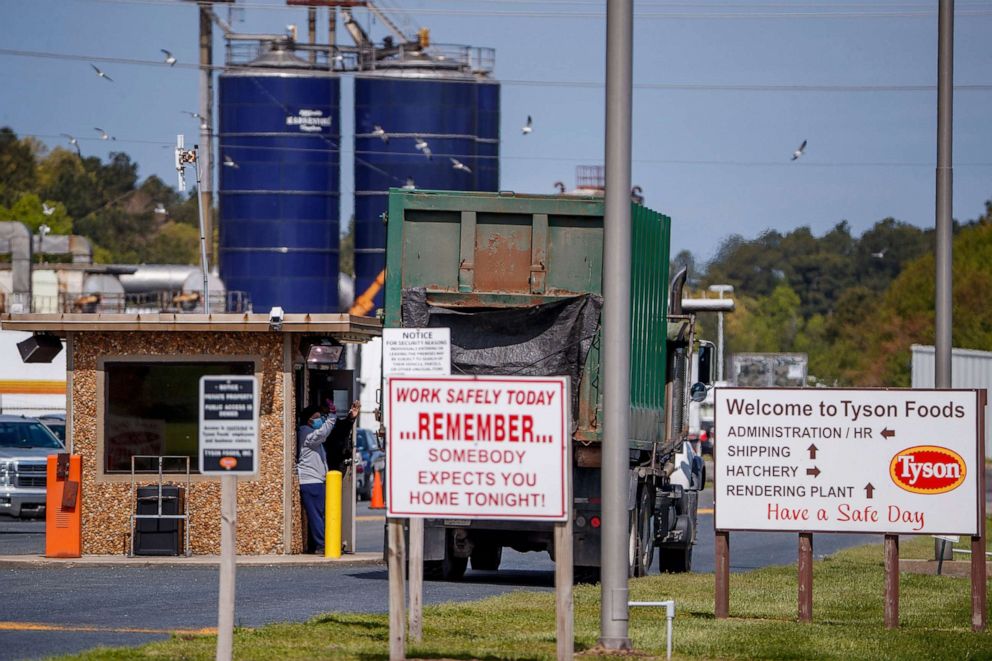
[(945, 176), (614, 613), (206, 147), (312, 32)]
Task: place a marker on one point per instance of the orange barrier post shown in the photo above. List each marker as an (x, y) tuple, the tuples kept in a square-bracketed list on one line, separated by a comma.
[(378, 502), (63, 506)]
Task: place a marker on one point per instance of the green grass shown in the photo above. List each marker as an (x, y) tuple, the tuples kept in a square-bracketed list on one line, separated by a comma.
[(935, 620)]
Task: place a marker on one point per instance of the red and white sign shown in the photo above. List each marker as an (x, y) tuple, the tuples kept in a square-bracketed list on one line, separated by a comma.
[(478, 447), (836, 460)]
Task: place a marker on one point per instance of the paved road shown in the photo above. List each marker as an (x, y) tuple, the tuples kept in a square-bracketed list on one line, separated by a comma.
[(140, 604)]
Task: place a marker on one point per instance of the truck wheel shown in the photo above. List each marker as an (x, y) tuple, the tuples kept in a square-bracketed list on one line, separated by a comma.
[(675, 560), (486, 557), (585, 575), (451, 568), (645, 532)]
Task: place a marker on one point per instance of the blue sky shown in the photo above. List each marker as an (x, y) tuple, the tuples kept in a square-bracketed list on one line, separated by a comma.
[(715, 157)]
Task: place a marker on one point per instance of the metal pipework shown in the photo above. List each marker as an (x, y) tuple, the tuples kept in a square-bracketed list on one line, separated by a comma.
[(707, 305), (616, 325), (16, 238)]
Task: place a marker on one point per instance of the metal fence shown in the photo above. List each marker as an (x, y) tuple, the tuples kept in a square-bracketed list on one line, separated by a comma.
[(144, 303)]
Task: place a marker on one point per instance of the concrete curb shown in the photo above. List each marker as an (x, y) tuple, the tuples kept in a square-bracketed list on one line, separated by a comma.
[(196, 560)]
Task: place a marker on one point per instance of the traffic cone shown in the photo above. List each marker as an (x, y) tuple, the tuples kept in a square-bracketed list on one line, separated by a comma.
[(378, 503)]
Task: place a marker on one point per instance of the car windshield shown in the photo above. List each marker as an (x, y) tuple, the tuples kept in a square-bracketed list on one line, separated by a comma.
[(27, 435), (57, 427)]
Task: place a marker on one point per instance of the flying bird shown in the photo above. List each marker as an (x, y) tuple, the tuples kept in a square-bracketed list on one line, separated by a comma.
[(47, 210), (161, 210), (170, 59), (528, 127), (799, 152), (422, 145), (409, 185), (637, 195), (74, 142), (194, 115), (101, 74), (880, 254), (458, 165), (560, 185), (229, 162), (103, 134), (379, 132)]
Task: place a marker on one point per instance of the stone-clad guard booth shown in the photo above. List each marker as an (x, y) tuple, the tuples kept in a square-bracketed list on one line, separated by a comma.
[(131, 390)]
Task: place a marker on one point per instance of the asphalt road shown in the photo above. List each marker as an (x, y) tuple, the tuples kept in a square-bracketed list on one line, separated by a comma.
[(46, 610)]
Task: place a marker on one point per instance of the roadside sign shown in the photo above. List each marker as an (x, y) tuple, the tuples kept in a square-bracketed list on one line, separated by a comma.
[(826, 460), (228, 425), (478, 447), (411, 351)]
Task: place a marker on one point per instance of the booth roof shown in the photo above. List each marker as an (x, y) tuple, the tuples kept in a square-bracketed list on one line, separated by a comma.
[(344, 326)]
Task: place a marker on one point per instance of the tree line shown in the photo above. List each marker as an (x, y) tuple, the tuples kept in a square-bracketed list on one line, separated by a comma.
[(854, 305)]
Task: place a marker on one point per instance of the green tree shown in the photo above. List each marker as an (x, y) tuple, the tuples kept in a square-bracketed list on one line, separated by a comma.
[(175, 243), (28, 209), (18, 167)]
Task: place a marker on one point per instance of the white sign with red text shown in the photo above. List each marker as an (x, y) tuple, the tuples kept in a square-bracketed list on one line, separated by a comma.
[(485, 447), (838, 460)]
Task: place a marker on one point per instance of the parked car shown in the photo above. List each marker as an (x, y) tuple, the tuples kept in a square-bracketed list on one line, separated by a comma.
[(55, 422), (25, 444), (372, 459)]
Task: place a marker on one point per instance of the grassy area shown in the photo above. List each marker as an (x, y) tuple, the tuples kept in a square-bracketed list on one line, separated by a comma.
[(935, 617)]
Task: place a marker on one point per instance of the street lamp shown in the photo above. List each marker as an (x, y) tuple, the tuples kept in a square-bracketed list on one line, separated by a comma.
[(720, 289)]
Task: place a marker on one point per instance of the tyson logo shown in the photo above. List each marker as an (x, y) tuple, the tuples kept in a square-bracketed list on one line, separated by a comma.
[(228, 462), (927, 469)]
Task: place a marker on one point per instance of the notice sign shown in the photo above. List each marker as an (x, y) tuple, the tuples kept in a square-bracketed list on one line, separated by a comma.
[(409, 351), (823, 460), (478, 447), (228, 425)]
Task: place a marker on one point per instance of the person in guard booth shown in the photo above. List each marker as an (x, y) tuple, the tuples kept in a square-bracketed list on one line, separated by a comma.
[(312, 465)]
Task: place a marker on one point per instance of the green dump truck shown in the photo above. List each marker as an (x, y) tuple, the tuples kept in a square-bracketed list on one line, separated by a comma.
[(518, 279)]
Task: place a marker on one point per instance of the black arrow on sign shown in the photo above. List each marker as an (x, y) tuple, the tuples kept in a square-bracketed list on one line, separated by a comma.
[(812, 451), (814, 471), (869, 490), (888, 433)]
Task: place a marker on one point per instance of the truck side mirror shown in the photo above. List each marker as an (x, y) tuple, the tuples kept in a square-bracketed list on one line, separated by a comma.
[(697, 392), (705, 363)]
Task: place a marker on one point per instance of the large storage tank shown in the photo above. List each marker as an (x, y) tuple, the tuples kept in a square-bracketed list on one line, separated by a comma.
[(418, 99), (279, 167)]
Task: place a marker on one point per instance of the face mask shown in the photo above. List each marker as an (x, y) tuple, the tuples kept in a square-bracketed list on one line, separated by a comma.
[(316, 424)]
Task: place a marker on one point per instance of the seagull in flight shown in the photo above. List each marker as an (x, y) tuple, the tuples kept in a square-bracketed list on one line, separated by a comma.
[(170, 59), (799, 152), (161, 210), (458, 165), (74, 142), (422, 145), (880, 254), (409, 185), (379, 132), (560, 185), (103, 134), (229, 162), (47, 210), (194, 115), (100, 73), (528, 127)]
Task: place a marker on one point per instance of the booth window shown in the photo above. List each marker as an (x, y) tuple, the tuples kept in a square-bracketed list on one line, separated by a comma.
[(151, 408)]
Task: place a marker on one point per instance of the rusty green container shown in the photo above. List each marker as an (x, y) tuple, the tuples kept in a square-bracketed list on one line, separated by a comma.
[(500, 250)]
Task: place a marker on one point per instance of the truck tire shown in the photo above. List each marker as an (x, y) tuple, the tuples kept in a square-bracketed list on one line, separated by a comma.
[(451, 568), (675, 560), (486, 557), (645, 531), (587, 575)]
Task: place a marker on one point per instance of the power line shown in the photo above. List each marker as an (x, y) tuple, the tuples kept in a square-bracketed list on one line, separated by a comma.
[(578, 84), (719, 11)]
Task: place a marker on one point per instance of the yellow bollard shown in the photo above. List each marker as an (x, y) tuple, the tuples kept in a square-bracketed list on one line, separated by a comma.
[(332, 515)]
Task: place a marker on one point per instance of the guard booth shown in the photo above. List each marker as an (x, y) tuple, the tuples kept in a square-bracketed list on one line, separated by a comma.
[(132, 417)]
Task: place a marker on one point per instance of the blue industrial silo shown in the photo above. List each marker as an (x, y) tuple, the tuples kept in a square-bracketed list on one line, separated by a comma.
[(279, 165), (417, 100)]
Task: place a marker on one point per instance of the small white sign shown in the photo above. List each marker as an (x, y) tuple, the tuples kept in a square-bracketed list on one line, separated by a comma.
[(415, 351), (478, 447), (228, 425), (832, 460)]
